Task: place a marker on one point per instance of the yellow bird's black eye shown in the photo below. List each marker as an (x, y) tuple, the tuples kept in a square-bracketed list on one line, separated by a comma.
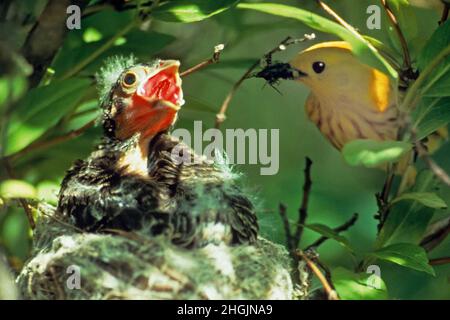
[(318, 66), (129, 79)]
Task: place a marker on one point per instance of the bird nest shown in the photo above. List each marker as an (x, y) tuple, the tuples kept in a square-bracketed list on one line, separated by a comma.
[(70, 264)]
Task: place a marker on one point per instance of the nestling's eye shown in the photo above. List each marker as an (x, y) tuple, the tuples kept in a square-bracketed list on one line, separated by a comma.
[(129, 79), (318, 66)]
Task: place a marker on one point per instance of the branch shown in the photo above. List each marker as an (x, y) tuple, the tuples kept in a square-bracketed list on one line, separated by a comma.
[(401, 37), (331, 293), (407, 104), (339, 229), (83, 63), (303, 211), (383, 198), (435, 234), (445, 12), (47, 36), (439, 261), (221, 116), (341, 21), (423, 153), (214, 59), (287, 229), (39, 145)]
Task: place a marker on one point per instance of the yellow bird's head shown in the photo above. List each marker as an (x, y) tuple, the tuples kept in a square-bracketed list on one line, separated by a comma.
[(335, 75)]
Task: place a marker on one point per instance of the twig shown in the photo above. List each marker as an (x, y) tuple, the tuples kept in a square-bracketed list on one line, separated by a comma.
[(47, 36), (331, 293), (303, 211), (341, 21), (38, 145), (437, 170), (83, 63), (435, 234), (445, 12), (287, 229), (338, 229), (351, 29), (439, 261), (325, 269), (214, 59), (383, 199), (23, 202), (221, 116), (401, 37)]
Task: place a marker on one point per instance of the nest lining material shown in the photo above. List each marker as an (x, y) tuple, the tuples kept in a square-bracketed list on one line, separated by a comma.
[(133, 266)]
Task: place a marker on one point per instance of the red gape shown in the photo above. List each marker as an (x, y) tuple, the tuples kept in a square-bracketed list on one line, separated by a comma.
[(145, 113), (163, 86)]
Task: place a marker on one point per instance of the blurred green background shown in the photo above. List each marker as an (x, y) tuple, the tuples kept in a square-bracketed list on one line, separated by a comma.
[(338, 190)]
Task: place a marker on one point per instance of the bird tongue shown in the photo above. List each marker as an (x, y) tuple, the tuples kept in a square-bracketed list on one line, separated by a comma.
[(163, 86)]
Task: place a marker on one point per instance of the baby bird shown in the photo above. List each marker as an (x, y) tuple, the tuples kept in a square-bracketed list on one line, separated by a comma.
[(133, 181)]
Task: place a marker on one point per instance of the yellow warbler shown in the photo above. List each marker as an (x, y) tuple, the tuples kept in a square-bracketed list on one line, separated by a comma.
[(349, 100)]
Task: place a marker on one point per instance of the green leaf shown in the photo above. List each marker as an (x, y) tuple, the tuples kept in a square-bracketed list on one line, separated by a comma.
[(41, 109), (434, 109), (358, 286), (14, 231), (12, 189), (190, 10), (427, 199), (371, 153), (141, 44), (438, 83), (360, 46), (330, 233), (407, 255), (408, 220), (11, 89), (91, 35), (431, 115)]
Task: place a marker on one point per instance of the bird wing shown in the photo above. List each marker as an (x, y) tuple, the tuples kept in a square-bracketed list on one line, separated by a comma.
[(208, 203), (341, 124), (95, 196)]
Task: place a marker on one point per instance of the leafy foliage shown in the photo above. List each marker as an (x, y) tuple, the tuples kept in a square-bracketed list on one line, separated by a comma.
[(407, 255), (433, 111), (370, 153), (66, 100), (407, 220), (360, 46), (191, 11), (330, 233), (358, 286)]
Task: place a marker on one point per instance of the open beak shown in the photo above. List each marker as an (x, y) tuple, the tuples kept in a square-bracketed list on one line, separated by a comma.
[(162, 88)]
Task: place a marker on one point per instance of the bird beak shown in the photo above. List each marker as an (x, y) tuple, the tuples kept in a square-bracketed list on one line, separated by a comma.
[(162, 88), (297, 73)]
